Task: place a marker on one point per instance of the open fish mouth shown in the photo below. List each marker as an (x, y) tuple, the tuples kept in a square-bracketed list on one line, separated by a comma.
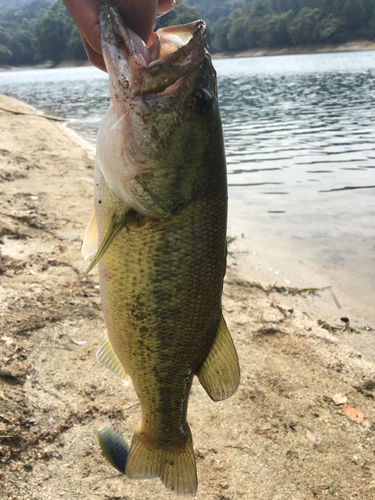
[(158, 67), (164, 101)]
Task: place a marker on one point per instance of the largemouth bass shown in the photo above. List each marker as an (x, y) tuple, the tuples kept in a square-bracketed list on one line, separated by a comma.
[(160, 215)]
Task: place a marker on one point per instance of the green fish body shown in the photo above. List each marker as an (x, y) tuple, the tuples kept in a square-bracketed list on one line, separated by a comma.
[(160, 187)]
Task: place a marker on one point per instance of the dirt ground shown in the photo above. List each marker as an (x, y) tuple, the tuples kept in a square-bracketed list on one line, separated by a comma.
[(285, 435)]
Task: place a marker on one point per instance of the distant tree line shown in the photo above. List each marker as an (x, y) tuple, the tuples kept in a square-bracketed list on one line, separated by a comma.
[(16, 30), (245, 24), (40, 31), (56, 37)]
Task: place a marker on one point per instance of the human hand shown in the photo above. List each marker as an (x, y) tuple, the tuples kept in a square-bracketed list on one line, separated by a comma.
[(139, 16)]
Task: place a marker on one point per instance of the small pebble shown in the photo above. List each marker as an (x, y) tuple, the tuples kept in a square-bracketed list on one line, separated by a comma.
[(339, 400)]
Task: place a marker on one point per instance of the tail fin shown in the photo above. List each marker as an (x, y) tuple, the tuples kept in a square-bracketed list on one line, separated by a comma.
[(174, 464)]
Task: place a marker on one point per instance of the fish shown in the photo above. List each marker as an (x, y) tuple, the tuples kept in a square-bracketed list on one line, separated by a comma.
[(158, 235)]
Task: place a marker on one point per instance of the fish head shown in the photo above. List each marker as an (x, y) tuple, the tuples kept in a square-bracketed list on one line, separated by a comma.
[(164, 114)]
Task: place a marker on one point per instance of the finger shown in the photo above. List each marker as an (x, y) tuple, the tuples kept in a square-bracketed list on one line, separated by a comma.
[(85, 15), (95, 58), (164, 6), (139, 16)]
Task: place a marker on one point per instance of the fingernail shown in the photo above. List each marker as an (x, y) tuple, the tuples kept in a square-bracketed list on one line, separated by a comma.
[(167, 6)]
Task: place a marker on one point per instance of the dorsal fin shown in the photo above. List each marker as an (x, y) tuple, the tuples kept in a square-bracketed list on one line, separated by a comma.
[(107, 357)]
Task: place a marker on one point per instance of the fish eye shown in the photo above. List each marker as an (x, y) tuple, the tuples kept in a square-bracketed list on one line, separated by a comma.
[(201, 102)]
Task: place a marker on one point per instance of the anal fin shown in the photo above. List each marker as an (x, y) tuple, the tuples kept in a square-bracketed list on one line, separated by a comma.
[(107, 357), (173, 464), (219, 373)]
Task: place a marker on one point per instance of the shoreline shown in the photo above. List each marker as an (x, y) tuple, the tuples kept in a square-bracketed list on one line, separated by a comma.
[(285, 434), (289, 267), (332, 300), (354, 46)]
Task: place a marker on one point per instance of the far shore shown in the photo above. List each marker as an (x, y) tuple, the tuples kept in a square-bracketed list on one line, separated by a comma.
[(354, 46)]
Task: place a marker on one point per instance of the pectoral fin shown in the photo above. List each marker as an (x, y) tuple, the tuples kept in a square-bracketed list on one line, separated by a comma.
[(113, 230), (107, 357), (90, 240), (220, 372)]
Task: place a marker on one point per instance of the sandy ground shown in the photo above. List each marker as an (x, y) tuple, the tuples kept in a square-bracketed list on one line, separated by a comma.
[(282, 436)]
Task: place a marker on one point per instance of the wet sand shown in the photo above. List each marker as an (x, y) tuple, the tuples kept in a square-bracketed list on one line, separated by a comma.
[(341, 291), (282, 435)]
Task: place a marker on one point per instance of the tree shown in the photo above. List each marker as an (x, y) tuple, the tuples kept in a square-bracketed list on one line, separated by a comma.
[(276, 34), (255, 33), (16, 28), (369, 6), (56, 37), (303, 28), (214, 13), (256, 9), (329, 29), (369, 31), (5, 55), (220, 38), (73, 46), (275, 6), (354, 14), (48, 36), (237, 34), (4, 37)]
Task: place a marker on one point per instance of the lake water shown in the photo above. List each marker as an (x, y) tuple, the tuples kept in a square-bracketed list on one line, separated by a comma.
[(300, 143)]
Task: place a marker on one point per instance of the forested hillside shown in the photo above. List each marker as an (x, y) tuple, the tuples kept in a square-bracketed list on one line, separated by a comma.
[(37, 32), (12, 4), (41, 31), (243, 24)]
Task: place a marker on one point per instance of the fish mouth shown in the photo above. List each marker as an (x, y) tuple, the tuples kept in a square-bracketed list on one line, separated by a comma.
[(159, 67)]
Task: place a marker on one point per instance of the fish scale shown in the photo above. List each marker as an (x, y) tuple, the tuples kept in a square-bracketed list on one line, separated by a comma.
[(160, 216), (162, 333)]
